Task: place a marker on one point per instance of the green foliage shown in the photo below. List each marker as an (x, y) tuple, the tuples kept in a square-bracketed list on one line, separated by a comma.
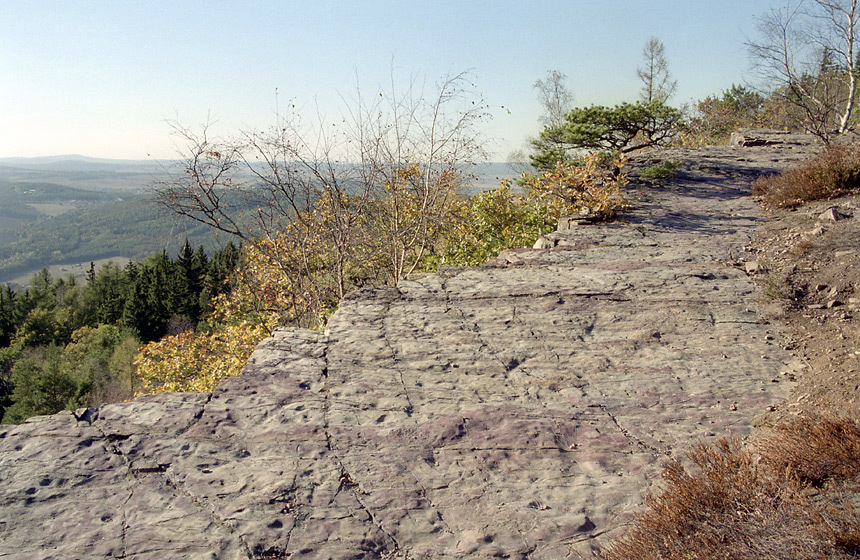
[(496, 220), (10, 314), (100, 364), (67, 345), (104, 295), (623, 128), (146, 309), (40, 386), (492, 221), (660, 172), (716, 117), (47, 379)]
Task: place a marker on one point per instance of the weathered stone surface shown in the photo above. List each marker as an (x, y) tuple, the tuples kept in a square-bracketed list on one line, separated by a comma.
[(833, 214), (754, 137), (520, 409)]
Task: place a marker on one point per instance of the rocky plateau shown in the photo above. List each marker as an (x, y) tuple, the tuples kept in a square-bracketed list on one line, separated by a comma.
[(520, 409)]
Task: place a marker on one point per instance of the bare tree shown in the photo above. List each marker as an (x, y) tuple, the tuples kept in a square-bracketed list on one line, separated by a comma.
[(657, 82), (807, 53), (337, 205), (555, 98)]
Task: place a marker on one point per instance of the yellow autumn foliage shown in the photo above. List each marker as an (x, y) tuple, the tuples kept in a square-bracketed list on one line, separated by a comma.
[(590, 188), (196, 362), (199, 361)]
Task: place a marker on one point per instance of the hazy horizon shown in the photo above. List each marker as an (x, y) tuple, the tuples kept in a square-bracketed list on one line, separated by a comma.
[(103, 80)]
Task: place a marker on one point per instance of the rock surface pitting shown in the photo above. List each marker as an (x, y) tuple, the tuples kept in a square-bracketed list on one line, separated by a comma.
[(520, 409)]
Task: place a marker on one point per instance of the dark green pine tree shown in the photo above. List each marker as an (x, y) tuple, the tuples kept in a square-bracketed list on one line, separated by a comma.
[(186, 285), (10, 315), (200, 267), (40, 293), (218, 272), (104, 295), (147, 307)]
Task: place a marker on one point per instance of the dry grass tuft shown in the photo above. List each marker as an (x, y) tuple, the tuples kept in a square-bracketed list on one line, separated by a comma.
[(814, 450), (831, 173), (791, 497)]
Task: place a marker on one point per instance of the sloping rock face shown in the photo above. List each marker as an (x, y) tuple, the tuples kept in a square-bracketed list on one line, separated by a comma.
[(519, 409)]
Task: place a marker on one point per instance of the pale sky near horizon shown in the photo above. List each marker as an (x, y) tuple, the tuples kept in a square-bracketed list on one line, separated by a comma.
[(103, 78)]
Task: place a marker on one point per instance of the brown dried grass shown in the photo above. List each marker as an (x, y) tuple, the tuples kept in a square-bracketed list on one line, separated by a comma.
[(833, 172), (791, 496), (815, 450)]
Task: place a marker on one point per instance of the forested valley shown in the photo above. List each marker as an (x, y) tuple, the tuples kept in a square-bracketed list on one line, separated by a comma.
[(67, 343), (47, 224)]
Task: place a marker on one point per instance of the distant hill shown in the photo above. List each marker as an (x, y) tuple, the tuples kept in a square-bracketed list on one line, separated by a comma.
[(112, 174), (74, 162), (71, 209), (131, 228), (86, 173)]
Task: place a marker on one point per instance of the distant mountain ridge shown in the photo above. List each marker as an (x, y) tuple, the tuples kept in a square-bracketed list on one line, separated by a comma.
[(58, 161), (128, 172), (75, 162)]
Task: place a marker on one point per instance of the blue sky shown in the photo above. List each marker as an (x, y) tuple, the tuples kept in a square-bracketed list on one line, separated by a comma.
[(102, 79)]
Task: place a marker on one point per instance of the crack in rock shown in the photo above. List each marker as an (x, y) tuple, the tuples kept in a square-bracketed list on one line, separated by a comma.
[(518, 409)]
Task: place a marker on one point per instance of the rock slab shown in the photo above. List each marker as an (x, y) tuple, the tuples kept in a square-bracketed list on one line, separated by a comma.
[(520, 409)]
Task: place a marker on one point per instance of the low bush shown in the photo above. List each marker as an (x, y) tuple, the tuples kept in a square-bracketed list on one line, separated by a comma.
[(591, 187), (788, 497), (489, 222), (660, 172), (815, 450), (832, 173)]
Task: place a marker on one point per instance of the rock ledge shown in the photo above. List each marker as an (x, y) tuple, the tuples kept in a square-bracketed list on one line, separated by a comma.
[(519, 409)]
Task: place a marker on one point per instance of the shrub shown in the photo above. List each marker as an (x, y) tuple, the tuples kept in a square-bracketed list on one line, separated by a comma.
[(199, 361), (831, 173), (492, 221), (737, 503), (814, 449), (589, 188), (714, 118), (776, 286)]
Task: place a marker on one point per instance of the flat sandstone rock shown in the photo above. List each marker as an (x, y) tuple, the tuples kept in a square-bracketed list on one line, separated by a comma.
[(520, 409)]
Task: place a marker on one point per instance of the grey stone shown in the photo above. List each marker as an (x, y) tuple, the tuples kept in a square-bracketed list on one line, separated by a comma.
[(833, 214), (518, 409), (752, 267)]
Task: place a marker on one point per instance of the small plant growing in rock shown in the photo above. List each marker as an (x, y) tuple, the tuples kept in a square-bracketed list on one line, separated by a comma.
[(660, 172), (777, 287)]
